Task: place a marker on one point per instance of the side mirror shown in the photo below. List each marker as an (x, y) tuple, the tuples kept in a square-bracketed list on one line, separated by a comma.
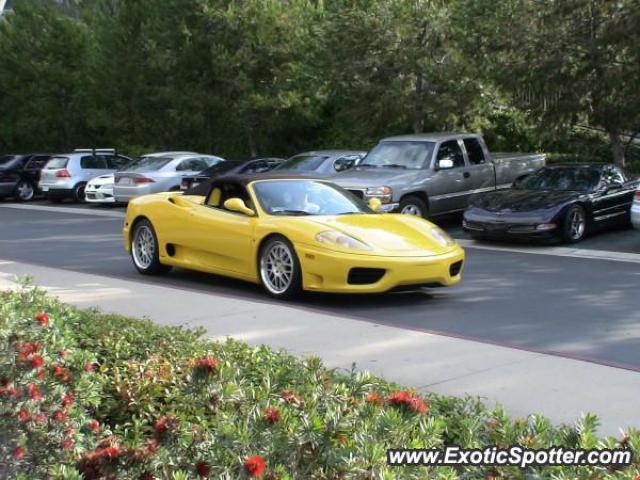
[(237, 205), (445, 164), (374, 204)]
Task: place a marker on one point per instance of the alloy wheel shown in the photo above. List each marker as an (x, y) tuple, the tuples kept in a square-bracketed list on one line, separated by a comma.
[(577, 224), (25, 191), (144, 247), (411, 210), (277, 267)]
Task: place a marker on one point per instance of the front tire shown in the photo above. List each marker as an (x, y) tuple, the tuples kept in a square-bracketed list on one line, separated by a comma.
[(279, 267), (575, 224), (144, 249), (25, 191), (413, 205)]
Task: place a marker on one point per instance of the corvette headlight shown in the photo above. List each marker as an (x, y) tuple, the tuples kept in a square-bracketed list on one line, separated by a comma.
[(383, 193), (442, 237), (337, 239)]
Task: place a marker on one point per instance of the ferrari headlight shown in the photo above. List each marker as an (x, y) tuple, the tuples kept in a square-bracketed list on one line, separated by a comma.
[(442, 237), (337, 239), (382, 193)]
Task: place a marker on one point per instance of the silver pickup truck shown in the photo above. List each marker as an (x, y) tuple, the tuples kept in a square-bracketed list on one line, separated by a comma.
[(434, 173)]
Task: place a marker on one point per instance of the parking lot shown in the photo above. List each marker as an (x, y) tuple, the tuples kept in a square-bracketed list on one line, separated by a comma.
[(554, 300)]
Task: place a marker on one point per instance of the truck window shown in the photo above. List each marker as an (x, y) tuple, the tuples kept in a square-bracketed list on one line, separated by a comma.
[(474, 151), (451, 150)]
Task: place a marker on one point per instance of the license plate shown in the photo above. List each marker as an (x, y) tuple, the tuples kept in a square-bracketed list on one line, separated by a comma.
[(126, 181)]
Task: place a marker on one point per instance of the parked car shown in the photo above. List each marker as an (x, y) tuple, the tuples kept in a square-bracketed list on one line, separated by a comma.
[(19, 175), (433, 173), (198, 184), (558, 202), (100, 189), (321, 163), (66, 176), (635, 209), (159, 172), (289, 234)]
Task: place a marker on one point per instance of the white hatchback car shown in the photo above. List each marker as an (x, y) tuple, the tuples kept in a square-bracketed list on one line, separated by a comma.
[(635, 210)]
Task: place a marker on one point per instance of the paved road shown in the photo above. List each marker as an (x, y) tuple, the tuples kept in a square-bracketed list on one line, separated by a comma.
[(582, 308)]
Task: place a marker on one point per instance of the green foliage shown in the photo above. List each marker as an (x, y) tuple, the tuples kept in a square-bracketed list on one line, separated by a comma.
[(144, 401)]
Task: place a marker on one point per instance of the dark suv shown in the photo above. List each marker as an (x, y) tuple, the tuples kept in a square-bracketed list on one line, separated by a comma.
[(19, 175)]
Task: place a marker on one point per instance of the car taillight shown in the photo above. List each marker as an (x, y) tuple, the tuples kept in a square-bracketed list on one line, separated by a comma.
[(139, 180), (637, 196), (184, 184), (64, 173)]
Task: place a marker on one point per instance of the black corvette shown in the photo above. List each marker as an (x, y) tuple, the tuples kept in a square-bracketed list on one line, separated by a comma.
[(558, 202)]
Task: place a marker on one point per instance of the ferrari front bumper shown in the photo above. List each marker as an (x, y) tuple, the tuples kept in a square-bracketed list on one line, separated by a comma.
[(337, 272)]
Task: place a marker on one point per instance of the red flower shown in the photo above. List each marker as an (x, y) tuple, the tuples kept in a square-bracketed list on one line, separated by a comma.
[(34, 392), (59, 416), (23, 416), (24, 351), (207, 364), (40, 418), (203, 469), (19, 453), (404, 398), (43, 319), (94, 426), (66, 445), (37, 361), (374, 398), (255, 465), (111, 452), (58, 370), (42, 373), (63, 353), (163, 425), (67, 400), (271, 415), (89, 367)]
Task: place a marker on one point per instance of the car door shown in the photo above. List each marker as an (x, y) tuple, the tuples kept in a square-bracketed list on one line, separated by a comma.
[(219, 239), (614, 195), (33, 167), (480, 170), (448, 187)]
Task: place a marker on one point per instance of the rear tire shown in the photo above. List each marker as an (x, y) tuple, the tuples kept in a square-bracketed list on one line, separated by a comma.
[(78, 193), (414, 205), (144, 249), (279, 268), (25, 191), (574, 226)]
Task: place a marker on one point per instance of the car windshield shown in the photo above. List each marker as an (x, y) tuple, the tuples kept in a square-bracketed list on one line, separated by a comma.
[(219, 168), (580, 179), (148, 164), (405, 155), (56, 163), (302, 163), (306, 197), (7, 160)]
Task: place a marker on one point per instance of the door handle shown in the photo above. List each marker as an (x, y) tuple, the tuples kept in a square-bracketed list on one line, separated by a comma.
[(466, 174)]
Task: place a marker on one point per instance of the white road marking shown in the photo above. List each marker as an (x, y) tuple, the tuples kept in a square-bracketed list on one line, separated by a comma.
[(535, 250), (75, 211), (556, 251)]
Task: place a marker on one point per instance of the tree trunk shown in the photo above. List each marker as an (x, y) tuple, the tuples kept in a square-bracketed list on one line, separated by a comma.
[(617, 148), (418, 118), (251, 136)]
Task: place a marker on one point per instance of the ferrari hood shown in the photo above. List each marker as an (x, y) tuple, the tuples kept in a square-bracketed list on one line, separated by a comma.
[(389, 234), (522, 200)]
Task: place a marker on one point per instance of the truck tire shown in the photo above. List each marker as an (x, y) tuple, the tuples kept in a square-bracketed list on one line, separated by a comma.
[(414, 205)]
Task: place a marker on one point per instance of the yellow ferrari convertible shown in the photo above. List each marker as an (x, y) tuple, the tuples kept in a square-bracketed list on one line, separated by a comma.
[(289, 234)]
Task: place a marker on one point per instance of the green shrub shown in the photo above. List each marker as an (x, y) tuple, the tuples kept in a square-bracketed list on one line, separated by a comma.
[(89, 395)]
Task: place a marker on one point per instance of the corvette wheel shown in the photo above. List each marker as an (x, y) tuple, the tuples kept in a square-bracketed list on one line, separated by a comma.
[(412, 205), (575, 224), (24, 191), (280, 271), (144, 250)]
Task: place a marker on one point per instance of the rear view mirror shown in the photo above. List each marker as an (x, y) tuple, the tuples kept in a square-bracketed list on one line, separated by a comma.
[(375, 204), (445, 164), (237, 205)]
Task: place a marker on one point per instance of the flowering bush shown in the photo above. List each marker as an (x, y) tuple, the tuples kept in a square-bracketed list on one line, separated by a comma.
[(89, 395)]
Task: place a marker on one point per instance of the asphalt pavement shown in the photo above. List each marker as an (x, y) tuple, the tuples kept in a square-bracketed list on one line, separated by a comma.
[(570, 306)]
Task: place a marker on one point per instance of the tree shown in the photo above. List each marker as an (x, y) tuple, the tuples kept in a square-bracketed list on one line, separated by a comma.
[(565, 61)]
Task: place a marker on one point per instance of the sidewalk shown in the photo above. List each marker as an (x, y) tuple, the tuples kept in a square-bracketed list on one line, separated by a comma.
[(524, 382)]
